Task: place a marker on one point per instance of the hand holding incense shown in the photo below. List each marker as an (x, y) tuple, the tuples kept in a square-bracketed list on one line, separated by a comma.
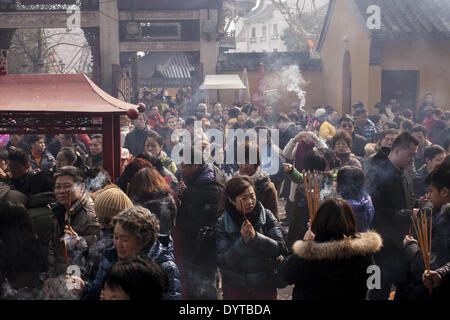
[(243, 210), (421, 226)]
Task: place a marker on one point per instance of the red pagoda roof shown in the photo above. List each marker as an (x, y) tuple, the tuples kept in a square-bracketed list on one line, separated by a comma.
[(56, 93)]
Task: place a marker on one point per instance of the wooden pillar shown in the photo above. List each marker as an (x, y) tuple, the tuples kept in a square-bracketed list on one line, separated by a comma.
[(117, 146), (108, 144)]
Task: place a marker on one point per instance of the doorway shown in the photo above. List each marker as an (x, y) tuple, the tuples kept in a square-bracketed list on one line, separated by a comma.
[(401, 84)]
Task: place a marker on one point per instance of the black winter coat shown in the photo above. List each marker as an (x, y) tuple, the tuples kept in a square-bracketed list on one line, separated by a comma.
[(42, 217), (291, 131), (244, 265), (135, 140), (359, 142), (199, 204), (163, 206), (333, 270), (387, 187)]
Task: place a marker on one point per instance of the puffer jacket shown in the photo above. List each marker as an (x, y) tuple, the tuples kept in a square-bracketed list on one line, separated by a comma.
[(244, 265), (368, 131), (47, 162), (83, 221), (163, 206), (167, 162), (199, 204), (332, 270), (363, 209), (161, 252)]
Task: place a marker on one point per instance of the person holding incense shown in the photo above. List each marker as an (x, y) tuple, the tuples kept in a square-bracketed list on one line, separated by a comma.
[(73, 209), (95, 156), (264, 187), (342, 145), (435, 243), (248, 236), (296, 150), (314, 161), (331, 262)]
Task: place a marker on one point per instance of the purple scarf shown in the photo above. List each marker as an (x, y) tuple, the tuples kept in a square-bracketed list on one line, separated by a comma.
[(302, 149)]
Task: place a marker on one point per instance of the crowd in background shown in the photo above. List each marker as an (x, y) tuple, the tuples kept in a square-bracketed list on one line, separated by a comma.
[(213, 230)]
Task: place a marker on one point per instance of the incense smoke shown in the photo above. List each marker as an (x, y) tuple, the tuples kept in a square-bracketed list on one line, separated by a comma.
[(293, 81)]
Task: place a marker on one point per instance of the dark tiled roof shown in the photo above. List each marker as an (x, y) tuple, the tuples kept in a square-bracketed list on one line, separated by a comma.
[(163, 67), (415, 17), (272, 61), (399, 18)]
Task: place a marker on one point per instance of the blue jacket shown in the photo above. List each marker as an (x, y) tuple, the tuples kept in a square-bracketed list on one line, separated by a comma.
[(244, 265), (161, 252), (363, 209), (47, 162), (368, 131)]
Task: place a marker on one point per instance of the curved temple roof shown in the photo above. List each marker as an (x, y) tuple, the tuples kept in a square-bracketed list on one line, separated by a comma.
[(56, 93)]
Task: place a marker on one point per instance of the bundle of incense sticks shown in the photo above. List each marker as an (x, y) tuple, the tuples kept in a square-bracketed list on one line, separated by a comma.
[(243, 210), (423, 231), (312, 181), (64, 247)]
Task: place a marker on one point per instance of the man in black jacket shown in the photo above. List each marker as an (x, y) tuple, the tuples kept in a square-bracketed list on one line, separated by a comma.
[(385, 140), (392, 197), (201, 186), (20, 169), (135, 140)]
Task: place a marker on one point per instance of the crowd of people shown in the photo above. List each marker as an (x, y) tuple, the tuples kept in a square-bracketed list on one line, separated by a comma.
[(209, 229)]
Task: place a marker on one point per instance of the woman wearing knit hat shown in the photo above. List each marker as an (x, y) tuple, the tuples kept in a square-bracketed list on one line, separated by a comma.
[(108, 203)]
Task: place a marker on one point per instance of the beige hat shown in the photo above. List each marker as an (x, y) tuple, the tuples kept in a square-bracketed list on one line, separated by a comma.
[(320, 112), (110, 202)]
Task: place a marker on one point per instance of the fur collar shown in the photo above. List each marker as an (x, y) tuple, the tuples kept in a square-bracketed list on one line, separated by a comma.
[(446, 209), (364, 244)]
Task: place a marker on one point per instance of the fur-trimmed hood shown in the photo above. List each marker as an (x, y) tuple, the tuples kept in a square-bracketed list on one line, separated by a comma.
[(364, 244), (446, 209)]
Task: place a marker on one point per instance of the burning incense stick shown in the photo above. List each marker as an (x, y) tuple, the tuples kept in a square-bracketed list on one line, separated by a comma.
[(312, 182), (421, 226), (243, 210), (64, 247)]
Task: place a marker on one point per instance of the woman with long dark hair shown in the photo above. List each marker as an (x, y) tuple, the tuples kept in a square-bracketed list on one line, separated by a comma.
[(331, 261), (21, 257), (148, 189)]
